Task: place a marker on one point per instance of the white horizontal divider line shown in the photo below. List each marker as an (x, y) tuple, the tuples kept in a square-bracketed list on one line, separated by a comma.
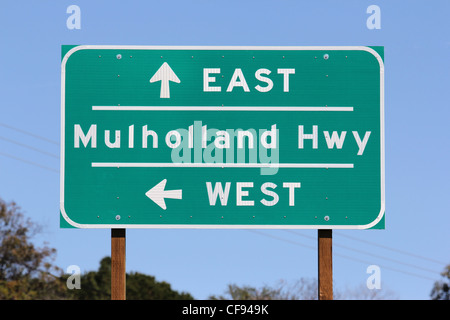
[(217, 165), (218, 108)]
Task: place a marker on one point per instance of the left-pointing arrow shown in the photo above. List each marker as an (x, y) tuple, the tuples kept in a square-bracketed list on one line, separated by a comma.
[(165, 74), (158, 194)]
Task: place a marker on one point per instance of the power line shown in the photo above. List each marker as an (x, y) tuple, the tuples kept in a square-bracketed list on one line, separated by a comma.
[(388, 268), (346, 257), (374, 255), (281, 239), (392, 249), (28, 162), (371, 254), (29, 134), (29, 147)]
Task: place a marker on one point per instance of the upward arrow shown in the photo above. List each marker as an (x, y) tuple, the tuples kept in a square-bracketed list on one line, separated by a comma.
[(165, 74)]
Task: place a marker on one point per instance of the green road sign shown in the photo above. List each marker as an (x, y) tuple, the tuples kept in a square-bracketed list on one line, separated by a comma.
[(222, 137)]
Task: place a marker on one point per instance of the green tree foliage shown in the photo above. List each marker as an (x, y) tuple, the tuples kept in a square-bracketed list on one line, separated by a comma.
[(303, 289), (26, 272), (96, 285), (441, 289), (235, 292)]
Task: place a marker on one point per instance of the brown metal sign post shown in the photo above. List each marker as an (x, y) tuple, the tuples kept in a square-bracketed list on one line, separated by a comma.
[(325, 257), (118, 270)]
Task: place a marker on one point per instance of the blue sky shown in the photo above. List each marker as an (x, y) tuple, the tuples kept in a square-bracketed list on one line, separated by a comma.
[(411, 251)]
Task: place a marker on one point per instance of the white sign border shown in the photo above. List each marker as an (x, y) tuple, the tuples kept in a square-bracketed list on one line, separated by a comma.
[(220, 226)]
